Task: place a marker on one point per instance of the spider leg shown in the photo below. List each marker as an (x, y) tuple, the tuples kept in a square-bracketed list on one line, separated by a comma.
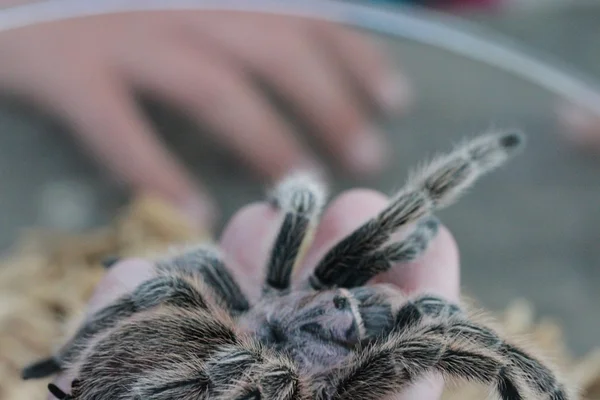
[(206, 263), (207, 360), (413, 246), (248, 372), (381, 260), (435, 186), (401, 359), (163, 290), (301, 198), (456, 326), (179, 382), (424, 307), (241, 372), (57, 392), (538, 376), (128, 360)]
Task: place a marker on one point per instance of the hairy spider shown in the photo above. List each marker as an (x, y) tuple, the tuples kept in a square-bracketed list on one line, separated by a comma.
[(190, 333)]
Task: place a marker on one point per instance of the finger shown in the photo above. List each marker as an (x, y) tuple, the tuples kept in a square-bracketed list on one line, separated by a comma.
[(366, 63), (319, 93), (281, 52), (121, 278), (582, 126), (107, 121), (343, 215), (247, 241), (219, 96)]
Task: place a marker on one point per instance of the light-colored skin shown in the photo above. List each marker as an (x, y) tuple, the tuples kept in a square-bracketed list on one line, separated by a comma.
[(582, 126), (245, 243), (85, 71)]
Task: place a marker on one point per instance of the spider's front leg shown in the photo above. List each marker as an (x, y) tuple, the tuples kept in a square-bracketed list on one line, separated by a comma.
[(455, 324), (401, 359), (207, 359), (160, 290), (366, 252), (429, 334), (424, 308), (181, 281)]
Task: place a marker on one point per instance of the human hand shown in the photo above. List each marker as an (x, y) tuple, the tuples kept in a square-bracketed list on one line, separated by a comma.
[(248, 236), (86, 70)]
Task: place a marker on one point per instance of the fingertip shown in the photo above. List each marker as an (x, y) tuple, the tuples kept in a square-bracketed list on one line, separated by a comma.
[(395, 93), (345, 213), (582, 126), (121, 278), (246, 226)]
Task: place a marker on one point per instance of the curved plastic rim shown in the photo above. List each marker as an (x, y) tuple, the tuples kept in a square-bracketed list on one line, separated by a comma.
[(426, 27)]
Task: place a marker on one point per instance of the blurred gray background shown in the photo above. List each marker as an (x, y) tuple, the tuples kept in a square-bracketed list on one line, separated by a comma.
[(529, 230)]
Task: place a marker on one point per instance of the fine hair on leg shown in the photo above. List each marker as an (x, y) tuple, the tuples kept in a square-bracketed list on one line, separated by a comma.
[(434, 186), (450, 321), (206, 263), (301, 199), (156, 291)]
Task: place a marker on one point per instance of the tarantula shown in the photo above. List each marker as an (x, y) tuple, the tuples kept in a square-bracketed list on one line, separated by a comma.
[(190, 332)]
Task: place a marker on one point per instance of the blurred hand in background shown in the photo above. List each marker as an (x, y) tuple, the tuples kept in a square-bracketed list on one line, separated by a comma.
[(87, 71)]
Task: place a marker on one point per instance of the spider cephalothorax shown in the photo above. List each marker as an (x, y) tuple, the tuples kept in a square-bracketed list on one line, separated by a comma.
[(190, 333)]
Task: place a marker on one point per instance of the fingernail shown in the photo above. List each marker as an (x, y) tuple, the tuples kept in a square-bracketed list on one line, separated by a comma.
[(395, 94), (368, 153), (579, 123)]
